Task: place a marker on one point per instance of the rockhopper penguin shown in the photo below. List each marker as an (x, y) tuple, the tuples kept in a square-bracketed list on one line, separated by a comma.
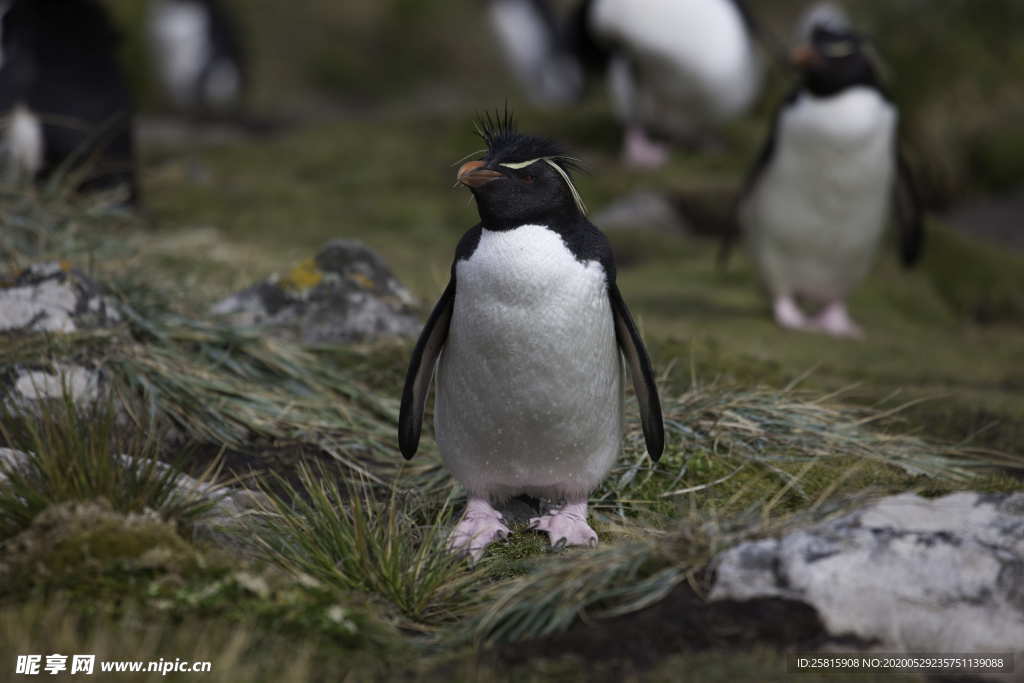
[(677, 67), (527, 339), (817, 200)]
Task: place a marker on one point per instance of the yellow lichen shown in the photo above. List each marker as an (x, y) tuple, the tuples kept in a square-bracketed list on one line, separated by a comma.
[(361, 280), (302, 277)]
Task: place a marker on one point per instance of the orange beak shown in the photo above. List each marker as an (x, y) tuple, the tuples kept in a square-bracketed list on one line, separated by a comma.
[(473, 174), (803, 56)]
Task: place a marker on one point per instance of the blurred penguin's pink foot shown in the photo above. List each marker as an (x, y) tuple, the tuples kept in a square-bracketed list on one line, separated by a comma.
[(480, 526), (566, 525), (789, 315), (835, 320), (642, 152)]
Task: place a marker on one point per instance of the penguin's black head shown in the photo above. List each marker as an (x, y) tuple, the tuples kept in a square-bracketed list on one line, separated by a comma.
[(835, 59), (522, 179)]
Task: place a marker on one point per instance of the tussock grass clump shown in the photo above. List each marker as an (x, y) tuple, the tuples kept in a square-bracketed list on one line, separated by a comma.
[(52, 223), (350, 537), (71, 454), (726, 445)]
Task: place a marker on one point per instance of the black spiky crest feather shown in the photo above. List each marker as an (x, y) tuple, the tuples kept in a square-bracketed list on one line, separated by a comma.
[(505, 143)]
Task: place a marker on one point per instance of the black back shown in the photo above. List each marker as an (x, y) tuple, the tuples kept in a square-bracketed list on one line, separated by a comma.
[(60, 61), (579, 37)]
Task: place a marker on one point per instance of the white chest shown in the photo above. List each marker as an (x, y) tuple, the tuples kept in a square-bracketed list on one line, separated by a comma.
[(529, 386), (834, 162)]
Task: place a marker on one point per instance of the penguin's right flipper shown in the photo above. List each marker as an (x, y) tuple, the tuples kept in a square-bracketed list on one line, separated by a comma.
[(909, 213), (632, 347), (421, 371)]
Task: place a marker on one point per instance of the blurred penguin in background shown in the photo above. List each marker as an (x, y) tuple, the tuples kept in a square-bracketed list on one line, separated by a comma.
[(677, 68), (63, 96), (198, 56), (815, 204), (535, 47)]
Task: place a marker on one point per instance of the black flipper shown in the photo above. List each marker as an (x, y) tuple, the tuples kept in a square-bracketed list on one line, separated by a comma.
[(909, 213), (632, 347), (733, 229), (421, 372)]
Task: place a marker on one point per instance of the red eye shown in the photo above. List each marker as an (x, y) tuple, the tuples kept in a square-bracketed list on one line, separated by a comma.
[(528, 178)]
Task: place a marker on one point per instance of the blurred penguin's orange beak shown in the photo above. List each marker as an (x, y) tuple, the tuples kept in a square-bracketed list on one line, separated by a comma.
[(803, 56), (473, 174)]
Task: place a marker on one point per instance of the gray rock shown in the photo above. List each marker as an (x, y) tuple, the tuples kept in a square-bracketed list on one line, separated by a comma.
[(345, 294), (28, 386), (54, 297), (643, 210), (906, 573)]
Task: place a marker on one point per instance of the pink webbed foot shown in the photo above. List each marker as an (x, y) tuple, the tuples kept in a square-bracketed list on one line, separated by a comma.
[(640, 151), (789, 315), (480, 526), (566, 525), (834, 319)]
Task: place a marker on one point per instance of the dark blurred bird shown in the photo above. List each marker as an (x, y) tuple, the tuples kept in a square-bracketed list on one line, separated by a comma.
[(677, 68), (817, 200), (64, 96), (529, 334), (198, 55)]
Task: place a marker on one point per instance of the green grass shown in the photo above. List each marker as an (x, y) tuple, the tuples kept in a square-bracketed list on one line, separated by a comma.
[(76, 454)]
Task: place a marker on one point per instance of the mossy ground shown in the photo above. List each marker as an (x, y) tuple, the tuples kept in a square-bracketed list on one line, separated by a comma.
[(366, 153)]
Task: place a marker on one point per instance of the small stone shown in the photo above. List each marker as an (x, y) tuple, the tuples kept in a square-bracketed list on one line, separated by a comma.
[(59, 381), (643, 210)]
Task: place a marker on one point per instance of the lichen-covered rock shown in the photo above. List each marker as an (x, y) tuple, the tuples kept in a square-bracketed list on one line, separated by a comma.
[(54, 297), (344, 294), (906, 573), (643, 210)]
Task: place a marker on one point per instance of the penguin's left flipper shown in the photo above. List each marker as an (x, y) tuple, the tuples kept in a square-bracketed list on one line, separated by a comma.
[(909, 213), (733, 229), (421, 371), (632, 347)]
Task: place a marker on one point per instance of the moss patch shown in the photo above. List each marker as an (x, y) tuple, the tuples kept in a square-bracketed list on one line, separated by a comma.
[(76, 539)]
